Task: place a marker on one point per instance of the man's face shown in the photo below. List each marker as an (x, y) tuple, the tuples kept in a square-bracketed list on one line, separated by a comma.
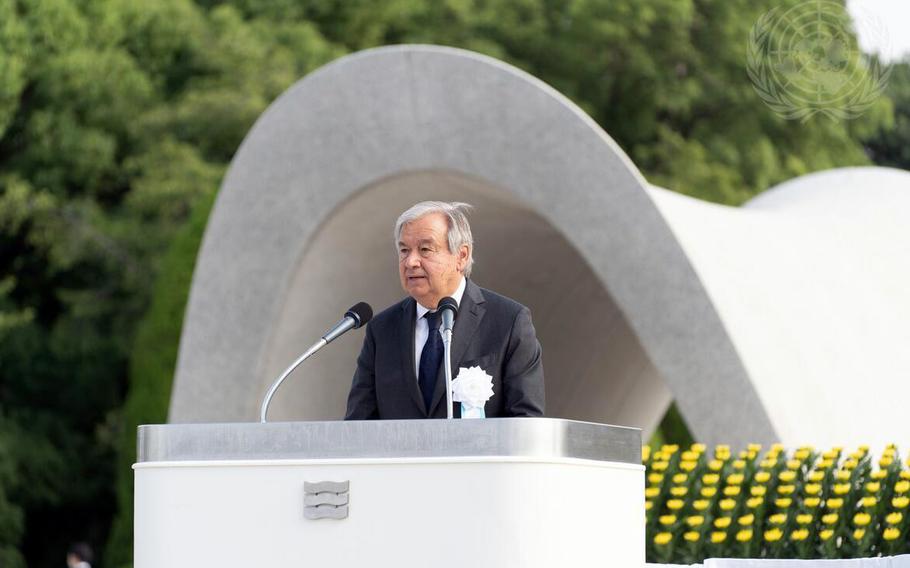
[(429, 271)]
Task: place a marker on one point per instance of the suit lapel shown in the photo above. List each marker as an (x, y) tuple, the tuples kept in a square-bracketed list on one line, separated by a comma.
[(470, 312), (406, 329)]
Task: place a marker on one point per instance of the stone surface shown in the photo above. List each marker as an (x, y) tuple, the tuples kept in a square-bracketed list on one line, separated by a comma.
[(565, 223)]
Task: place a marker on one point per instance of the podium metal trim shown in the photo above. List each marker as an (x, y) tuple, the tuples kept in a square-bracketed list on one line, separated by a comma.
[(506, 437)]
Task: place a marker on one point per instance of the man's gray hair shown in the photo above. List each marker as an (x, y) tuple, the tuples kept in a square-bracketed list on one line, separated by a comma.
[(459, 232)]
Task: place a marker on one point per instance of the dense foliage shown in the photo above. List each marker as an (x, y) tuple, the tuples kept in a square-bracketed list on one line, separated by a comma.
[(804, 504), (117, 119)]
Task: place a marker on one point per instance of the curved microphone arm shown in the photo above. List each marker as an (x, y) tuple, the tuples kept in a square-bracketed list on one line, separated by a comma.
[(264, 409)]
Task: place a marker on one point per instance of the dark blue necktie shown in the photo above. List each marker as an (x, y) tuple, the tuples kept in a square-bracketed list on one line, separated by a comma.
[(430, 358)]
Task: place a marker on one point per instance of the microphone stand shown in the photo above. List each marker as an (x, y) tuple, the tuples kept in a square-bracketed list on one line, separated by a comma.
[(447, 361), (264, 409)]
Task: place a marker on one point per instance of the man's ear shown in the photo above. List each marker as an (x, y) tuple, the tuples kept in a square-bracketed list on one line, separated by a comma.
[(463, 254)]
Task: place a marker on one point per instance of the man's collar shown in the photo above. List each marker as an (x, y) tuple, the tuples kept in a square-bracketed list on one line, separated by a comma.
[(459, 292)]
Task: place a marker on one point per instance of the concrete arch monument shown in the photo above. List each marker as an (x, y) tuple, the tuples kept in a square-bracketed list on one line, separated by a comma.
[(564, 223)]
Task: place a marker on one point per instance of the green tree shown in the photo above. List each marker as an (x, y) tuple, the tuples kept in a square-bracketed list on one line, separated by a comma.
[(890, 145)]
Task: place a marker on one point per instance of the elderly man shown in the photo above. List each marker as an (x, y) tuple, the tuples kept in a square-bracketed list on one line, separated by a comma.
[(399, 372)]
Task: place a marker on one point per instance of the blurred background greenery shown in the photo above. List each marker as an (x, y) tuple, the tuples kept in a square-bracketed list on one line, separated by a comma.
[(118, 119)]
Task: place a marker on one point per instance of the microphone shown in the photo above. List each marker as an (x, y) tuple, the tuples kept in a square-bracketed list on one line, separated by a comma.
[(449, 308), (359, 314)]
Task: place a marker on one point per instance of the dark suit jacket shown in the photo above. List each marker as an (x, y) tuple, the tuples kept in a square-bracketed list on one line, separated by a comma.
[(491, 331)]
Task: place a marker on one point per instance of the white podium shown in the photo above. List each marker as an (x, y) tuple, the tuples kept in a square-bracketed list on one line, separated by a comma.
[(509, 492)]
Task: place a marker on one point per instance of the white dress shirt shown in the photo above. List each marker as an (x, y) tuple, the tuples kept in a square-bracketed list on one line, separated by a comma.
[(422, 329)]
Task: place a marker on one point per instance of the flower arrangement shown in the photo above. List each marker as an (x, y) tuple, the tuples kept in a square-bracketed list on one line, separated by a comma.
[(803, 504)]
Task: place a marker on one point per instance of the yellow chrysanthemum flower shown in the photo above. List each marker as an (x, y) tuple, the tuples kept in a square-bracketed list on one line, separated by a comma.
[(731, 490), (679, 491), (718, 537), (667, 519), (687, 465), (695, 520), (826, 534), (830, 518), (652, 492), (755, 502), (900, 502), (662, 538), (675, 504), (842, 475), (885, 461), (701, 504), (655, 478), (708, 492), (768, 463), (869, 501), (715, 465), (793, 464), (873, 486), (739, 464), (691, 536), (904, 474), (835, 503), (891, 533), (744, 535), (879, 475), (777, 448), (762, 476), (787, 476), (857, 455), (786, 489), (799, 534), (660, 465), (861, 519), (841, 488), (773, 535), (722, 448), (777, 519), (894, 518), (669, 448), (783, 502), (758, 490), (812, 502), (710, 478), (722, 522), (689, 455), (902, 486), (746, 520), (727, 504), (850, 464), (680, 478), (803, 519), (830, 455), (754, 447), (813, 488), (858, 534), (645, 453), (735, 479), (700, 448), (816, 476), (826, 464), (648, 505)]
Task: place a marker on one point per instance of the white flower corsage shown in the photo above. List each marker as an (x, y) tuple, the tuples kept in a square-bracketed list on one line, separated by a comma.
[(473, 387)]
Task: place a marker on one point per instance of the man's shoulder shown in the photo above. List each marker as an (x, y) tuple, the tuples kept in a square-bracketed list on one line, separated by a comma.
[(499, 302), (391, 315)]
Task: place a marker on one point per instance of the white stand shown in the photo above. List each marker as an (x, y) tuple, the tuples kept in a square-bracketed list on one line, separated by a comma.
[(524, 493)]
